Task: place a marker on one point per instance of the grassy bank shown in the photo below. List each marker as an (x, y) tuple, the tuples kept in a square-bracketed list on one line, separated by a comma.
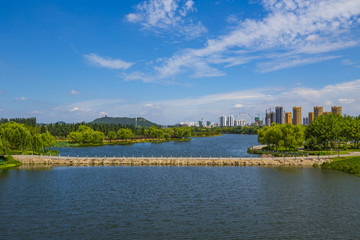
[(345, 164), (8, 162), (281, 151)]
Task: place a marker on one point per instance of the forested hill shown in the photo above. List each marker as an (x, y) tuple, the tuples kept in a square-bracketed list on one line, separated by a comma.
[(141, 122)]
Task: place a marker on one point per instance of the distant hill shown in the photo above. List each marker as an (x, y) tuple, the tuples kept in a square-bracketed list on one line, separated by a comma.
[(141, 122)]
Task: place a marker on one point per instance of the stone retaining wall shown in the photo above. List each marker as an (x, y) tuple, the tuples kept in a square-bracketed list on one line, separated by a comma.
[(168, 161)]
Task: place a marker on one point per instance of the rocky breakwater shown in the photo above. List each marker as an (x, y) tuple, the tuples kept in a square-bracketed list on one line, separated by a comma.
[(168, 161)]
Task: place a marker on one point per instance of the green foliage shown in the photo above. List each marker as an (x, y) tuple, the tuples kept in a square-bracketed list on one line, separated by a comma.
[(324, 130), (8, 162), (282, 135), (111, 135), (25, 121), (17, 137), (86, 135), (124, 133), (332, 131), (345, 164), (155, 132)]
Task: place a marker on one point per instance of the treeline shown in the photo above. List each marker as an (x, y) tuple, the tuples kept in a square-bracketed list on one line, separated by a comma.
[(333, 131), (86, 135), (326, 131), (203, 132), (62, 130), (17, 137), (26, 121)]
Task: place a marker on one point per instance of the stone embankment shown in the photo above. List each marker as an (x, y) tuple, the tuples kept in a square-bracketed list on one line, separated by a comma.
[(168, 161)]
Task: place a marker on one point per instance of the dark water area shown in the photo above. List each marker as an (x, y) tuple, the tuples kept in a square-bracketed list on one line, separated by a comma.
[(178, 203), (229, 145)]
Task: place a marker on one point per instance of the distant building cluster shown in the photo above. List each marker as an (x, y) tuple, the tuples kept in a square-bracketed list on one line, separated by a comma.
[(295, 117), (230, 121), (200, 123)]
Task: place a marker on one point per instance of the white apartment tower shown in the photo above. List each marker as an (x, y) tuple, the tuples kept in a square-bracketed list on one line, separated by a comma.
[(223, 121), (231, 122)]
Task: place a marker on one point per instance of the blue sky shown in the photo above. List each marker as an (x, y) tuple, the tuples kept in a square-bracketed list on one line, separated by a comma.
[(177, 60)]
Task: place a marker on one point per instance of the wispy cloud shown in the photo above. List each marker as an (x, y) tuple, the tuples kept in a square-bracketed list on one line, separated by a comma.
[(167, 16), (74, 92), (20, 99), (107, 62), (290, 62), (293, 33)]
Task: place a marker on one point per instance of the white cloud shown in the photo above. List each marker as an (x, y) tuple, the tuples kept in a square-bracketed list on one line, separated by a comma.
[(293, 33), (21, 99), (346, 100), (74, 109), (287, 63), (238, 105), (107, 62), (74, 92), (167, 16)]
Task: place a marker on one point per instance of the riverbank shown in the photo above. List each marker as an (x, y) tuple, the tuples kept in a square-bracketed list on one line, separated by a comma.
[(8, 162), (29, 160), (344, 164)]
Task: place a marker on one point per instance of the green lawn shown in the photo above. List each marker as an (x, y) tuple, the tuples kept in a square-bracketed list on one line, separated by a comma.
[(345, 164), (8, 162)]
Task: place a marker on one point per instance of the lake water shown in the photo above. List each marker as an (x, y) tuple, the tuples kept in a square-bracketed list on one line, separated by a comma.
[(178, 203), (229, 145)]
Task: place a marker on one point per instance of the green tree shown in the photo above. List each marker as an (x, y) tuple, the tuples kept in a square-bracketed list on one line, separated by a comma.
[(111, 135), (326, 129), (4, 147), (85, 134), (16, 134), (124, 133)]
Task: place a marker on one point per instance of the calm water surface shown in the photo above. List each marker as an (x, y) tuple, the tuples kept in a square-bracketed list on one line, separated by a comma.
[(178, 203), (234, 145)]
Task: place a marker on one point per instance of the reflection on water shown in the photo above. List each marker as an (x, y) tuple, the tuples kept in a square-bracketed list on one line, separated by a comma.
[(178, 203)]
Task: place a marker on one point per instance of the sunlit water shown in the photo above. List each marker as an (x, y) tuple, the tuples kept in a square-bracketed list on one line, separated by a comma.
[(178, 203), (230, 145)]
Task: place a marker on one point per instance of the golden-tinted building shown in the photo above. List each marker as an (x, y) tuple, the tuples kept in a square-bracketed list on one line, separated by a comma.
[(288, 117), (297, 116), (336, 110), (326, 113), (318, 111), (311, 117)]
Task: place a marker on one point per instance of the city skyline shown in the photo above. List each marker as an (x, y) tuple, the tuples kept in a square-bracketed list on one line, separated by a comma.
[(173, 61)]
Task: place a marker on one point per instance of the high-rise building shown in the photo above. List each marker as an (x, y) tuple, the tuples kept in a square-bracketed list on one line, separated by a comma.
[(336, 110), (223, 121), (326, 113), (297, 116), (208, 123), (231, 121), (318, 111), (311, 117), (240, 123), (288, 117), (279, 111), (305, 121), (258, 121), (272, 117), (267, 119), (201, 123)]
